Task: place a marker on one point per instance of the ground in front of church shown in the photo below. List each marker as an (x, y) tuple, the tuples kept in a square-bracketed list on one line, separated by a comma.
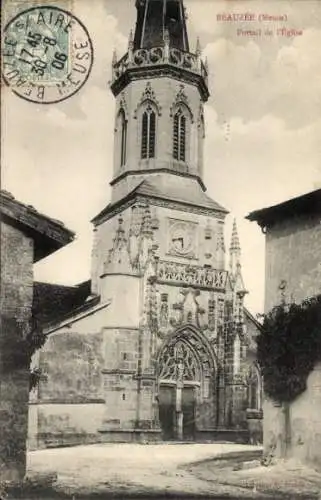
[(172, 470)]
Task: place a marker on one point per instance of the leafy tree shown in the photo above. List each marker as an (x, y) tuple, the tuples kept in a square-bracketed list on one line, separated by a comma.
[(288, 347)]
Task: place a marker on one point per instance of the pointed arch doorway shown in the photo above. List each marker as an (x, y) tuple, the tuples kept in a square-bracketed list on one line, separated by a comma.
[(186, 370)]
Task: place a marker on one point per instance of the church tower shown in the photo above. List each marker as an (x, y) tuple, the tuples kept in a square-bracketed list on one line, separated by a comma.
[(159, 252)]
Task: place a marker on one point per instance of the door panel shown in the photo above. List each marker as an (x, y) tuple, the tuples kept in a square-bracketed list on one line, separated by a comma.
[(188, 407), (167, 411)]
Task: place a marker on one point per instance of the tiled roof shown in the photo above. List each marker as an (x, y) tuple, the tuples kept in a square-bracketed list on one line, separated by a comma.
[(48, 234), (308, 204), (187, 193), (52, 302), (191, 194)]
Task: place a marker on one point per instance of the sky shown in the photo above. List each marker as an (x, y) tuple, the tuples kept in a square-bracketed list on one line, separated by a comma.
[(263, 125)]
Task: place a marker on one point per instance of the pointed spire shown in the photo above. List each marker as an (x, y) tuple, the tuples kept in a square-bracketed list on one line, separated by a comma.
[(130, 47), (235, 242), (146, 237), (118, 256), (198, 50), (235, 253), (114, 60), (113, 63), (220, 247), (146, 223), (198, 54), (153, 17), (166, 45)]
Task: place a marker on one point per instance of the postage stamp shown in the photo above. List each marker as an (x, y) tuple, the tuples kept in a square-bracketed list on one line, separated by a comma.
[(47, 54)]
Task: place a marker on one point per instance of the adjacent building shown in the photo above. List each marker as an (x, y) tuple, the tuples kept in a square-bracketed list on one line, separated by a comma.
[(158, 344), (27, 236), (293, 273)]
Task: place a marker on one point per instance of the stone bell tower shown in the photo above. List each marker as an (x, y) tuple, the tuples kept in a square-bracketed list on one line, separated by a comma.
[(159, 251)]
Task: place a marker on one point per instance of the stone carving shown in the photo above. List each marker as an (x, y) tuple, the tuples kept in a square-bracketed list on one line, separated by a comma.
[(157, 56), (123, 105), (178, 362), (163, 313), (118, 256), (134, 232), (188, 310), (148, 96), (211, 314), (150, 315), (200, 120), (181, 98), (192, 275), (145, 238), (208, 243), (140, 240)]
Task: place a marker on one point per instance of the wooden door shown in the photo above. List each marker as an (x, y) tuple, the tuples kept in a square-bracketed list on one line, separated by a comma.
[(167, 412), (188, 407)]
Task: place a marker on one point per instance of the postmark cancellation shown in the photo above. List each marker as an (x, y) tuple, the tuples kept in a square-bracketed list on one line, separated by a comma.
[(47, 54)]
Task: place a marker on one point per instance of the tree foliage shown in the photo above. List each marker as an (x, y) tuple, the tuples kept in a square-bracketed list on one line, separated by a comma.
[(288, 348)]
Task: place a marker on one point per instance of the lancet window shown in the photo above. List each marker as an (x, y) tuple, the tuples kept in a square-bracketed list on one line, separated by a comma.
[(148, 135), (179, 136)]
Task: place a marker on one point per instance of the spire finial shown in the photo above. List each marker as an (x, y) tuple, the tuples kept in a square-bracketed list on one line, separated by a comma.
[(235, 242), (198, 47), (130, 47), (235, 252), (114, 60)]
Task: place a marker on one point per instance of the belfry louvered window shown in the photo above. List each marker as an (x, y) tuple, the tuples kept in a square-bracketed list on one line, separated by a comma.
[(179, 136), (148, 134), (123, 141)]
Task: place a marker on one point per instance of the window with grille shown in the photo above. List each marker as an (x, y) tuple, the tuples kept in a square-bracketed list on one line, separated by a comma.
[(179, 136), (123, 142), (148, 134)]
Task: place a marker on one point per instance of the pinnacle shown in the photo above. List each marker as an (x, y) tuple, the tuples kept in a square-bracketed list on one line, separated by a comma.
[(235, 242)]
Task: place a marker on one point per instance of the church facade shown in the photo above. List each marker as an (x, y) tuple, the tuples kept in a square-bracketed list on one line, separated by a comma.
[(158, 345)]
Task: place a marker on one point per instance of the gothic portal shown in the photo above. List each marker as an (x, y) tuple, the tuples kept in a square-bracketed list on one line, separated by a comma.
[(160, 346)]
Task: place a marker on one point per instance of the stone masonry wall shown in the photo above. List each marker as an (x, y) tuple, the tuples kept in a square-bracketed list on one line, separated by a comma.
[(68, 406), (15, 307), (293, 254)]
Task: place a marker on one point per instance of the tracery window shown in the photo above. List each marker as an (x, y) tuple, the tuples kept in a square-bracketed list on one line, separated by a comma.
[(172, 356), (148, 133), (179, 136)]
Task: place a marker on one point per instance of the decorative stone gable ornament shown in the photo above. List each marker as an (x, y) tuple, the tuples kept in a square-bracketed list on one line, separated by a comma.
[(208, 237), (146, 238), (148, 96), (150, 313), (181, 98), (220, 246), (188, 309), (134, 232), (211, 313), (118, 257), (200, 120), (141, 235), (163, 311), (123, 105)]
